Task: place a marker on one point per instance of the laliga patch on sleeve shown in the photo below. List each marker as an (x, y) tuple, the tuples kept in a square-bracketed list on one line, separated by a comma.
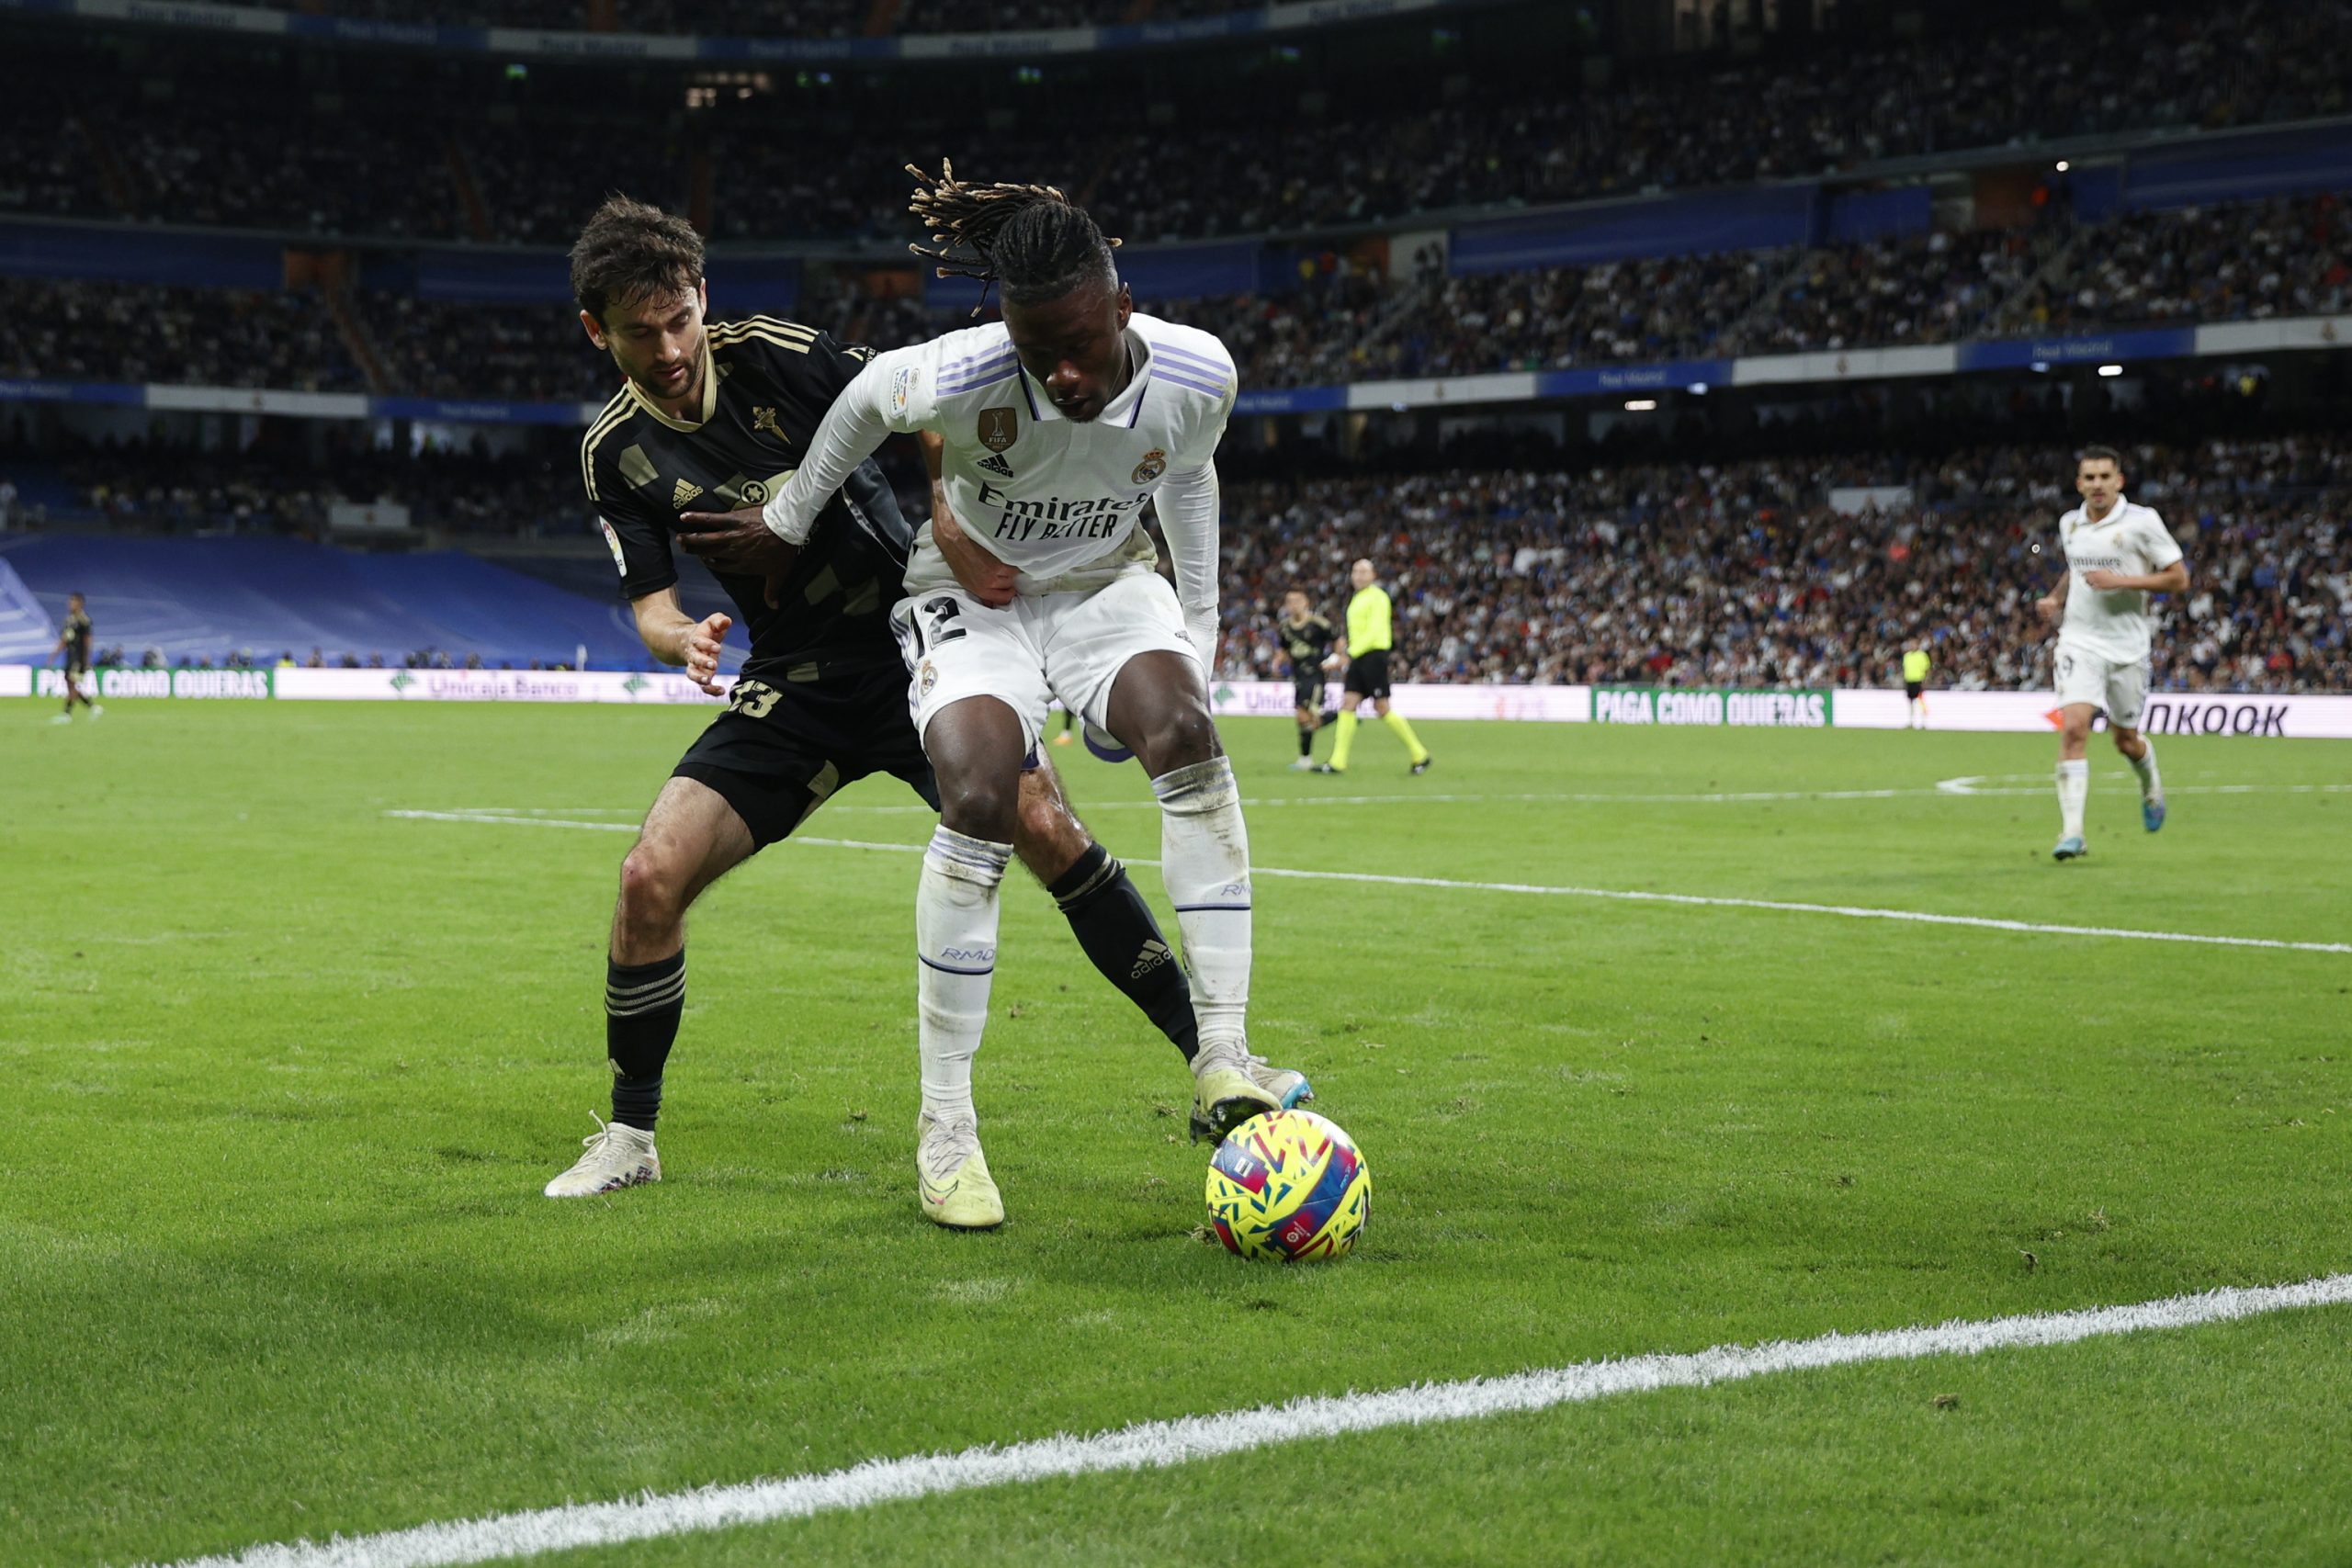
[(902, 385), (613, 543)]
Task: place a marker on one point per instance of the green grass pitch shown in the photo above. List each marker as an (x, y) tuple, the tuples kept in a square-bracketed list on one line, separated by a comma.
[(284, 1073)]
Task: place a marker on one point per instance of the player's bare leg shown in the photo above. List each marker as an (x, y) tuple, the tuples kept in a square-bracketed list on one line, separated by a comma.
[(2074, 777), (1159, 710), (976, 748), (690, 838), (2141, 752)]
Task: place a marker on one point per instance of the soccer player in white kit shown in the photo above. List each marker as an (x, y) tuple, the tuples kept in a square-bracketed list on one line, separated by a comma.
[(1059, 424), (2122, 552)]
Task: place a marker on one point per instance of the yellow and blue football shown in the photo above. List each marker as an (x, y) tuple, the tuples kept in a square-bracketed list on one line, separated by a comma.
[(1288, 1184)]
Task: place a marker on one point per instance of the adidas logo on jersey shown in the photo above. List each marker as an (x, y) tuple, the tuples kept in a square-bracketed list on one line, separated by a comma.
[(687, 489), (1152, 957), (997, 465)]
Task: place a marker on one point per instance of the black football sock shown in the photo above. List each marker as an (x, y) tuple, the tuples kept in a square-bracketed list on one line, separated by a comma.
[(1115, 925), (642, 1002), (1306, 741)]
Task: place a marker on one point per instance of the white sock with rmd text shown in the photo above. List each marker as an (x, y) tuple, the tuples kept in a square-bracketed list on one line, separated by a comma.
[(956, 919), (2144, 764), (2073, 788), (1204, 862)]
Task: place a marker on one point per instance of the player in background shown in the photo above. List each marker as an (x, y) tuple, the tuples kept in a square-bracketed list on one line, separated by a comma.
[(1371, 637), (1061, 422), (724, 411), (1914, 684), (2122, 552), (1307, 643), (74, 642)]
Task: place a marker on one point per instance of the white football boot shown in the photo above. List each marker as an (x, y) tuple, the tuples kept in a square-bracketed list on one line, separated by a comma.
[(951, 1180), (1226, 1093), (1287, 1085), (617, 1156)]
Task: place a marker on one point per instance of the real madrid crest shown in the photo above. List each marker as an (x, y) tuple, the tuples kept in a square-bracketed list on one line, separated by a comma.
[(926, 677), (999, 428), (1154, 464)]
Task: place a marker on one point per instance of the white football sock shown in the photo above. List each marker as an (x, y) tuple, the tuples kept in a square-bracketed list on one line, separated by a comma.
[(956, 920), (2073, 788), (2145, 765), (1204, 862)]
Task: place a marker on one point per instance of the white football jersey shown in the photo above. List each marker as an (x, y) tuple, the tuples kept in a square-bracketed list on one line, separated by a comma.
[(2131, 539), (1047, 496)]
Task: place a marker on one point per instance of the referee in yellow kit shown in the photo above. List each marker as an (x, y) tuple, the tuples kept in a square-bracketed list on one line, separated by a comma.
[(1915, 685), (1370, 638)]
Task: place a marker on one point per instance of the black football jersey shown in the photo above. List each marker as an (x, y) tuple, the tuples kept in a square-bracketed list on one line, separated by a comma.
[(768, 383), (77, 635), (1305, 643)]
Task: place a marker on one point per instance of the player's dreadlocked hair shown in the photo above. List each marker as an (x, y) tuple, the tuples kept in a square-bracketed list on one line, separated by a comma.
[(630, 250), (1032, 240)]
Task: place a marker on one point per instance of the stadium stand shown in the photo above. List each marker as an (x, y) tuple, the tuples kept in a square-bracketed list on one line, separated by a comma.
[(259, 600), (2227, 262), (1748, 573), (120, 331), (787, 18), (204, 155)]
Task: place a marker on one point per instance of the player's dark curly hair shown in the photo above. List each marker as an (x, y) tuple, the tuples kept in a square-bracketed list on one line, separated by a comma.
[(632, 251), (1031, 241), (2099, 454)]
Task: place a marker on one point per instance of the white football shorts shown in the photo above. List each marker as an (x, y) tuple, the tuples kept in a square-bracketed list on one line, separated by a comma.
[(2120, 690), (1070, 646)]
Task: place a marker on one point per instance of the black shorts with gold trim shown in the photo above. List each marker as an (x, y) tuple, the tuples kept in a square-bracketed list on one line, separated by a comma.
[(783, 746), (1368, 673)]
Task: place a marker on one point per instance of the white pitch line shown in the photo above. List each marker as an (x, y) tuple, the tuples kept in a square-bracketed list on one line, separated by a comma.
[(1630, 896), (1159, 1445)]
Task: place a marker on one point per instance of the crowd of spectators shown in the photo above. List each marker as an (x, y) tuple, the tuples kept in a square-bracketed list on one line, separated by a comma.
[(139, 333), (1814, 572), (1341, 323), (170, 488), (2234, 261), (436, 349), (378, 167), (778, 18), (1746, 574)]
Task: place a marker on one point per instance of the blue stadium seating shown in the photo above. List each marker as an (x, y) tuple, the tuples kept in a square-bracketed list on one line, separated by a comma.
[(210, 597), (28, 636)]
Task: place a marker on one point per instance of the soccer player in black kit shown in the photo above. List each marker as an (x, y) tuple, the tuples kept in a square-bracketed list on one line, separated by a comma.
[(712, 418), (1307, 643), (74, 642)]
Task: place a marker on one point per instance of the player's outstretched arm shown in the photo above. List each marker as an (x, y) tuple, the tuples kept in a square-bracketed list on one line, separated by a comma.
[(853, 428), (675, 637)]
